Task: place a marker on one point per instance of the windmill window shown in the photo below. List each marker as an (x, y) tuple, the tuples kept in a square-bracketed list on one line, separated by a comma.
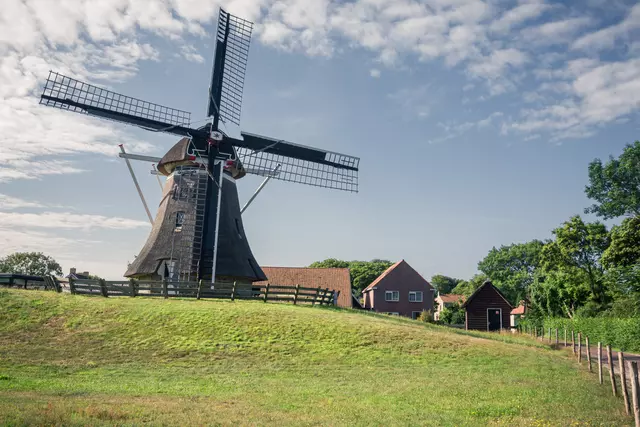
[(179, 220)]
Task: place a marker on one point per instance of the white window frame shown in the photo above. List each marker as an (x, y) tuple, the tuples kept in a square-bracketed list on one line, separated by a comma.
[(496, 308), (392, 313), (416, 293), (395, 294)]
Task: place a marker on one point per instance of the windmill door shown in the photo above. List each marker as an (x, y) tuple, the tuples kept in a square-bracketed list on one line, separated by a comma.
[(494, 319)]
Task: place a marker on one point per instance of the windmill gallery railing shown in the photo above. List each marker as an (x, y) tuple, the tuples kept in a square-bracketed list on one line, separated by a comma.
[(199, 290)]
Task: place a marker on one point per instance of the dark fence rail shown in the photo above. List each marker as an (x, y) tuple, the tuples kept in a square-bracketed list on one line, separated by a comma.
[(199, 290)]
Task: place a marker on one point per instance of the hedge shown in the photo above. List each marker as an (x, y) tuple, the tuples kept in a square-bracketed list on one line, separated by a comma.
[(623, 334)]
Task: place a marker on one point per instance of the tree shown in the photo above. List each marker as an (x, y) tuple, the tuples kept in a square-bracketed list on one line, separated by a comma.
[(30, 263), (466, 288), (512, 268), (576, 251), (624, 250), (362, 272), (454, 314), (444, 284), (615, 186)]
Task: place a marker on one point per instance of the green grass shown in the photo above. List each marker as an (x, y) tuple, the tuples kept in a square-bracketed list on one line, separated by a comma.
[(74, 360)]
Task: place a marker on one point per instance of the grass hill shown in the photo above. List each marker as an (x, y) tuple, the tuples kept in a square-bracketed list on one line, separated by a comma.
[(76, 360)]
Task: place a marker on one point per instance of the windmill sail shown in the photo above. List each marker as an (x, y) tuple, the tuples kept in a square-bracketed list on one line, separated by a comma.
[(229, 66), (70, 94), (301, 164)]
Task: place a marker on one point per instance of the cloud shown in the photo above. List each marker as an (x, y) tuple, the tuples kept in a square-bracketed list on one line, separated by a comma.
[(606, 38), (189, 53), (67, 220), (557, 32), (493, 66), (9, 202), (15, 239), (597, 95), (454, 130), (374, 72), (518, 15)]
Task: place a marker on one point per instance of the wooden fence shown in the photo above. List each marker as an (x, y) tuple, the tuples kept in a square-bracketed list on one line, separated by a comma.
[(199, 290), (627, 369)]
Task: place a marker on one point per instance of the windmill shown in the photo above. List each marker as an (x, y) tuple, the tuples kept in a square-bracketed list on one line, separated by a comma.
[(197, 233)]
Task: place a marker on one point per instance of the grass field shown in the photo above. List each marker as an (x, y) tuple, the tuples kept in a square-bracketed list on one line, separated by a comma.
[(75, 360)]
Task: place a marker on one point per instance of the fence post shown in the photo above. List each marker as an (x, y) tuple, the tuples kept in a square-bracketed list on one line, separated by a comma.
[(600, 361), (233, 292), (611, 373), (295, 295), (164, 289), (103, 288), (573, 341), (565, 337), (132, 287), (588, 353), (72, 285), (623, 382), (549, 335), (266, 292), (579, 347), (556, 337), (199, 289), (635, 392), (316, 296)]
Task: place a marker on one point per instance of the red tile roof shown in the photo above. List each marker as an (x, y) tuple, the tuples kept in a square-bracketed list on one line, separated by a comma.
[(447, 298), (518, 310), (337, 279), (382, 276)]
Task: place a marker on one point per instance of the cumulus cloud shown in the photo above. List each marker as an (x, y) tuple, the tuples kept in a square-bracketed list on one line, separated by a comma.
[(9, 202), (67, 220), (374, 72)]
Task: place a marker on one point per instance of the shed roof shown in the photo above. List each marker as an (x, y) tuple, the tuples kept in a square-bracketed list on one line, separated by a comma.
[(484, 285), (337, 279)]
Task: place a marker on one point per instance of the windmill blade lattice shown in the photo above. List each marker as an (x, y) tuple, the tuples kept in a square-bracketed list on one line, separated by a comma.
[(70, 94), (234, 37)]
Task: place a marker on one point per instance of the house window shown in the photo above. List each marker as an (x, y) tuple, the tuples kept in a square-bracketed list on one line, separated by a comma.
[(392, 296), (415, 314), (392, 313), (415, 296)]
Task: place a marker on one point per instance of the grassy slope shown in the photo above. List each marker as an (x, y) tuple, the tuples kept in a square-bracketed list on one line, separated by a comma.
[(78, 360)]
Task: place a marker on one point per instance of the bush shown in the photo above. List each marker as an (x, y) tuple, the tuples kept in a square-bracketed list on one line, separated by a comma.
[(620, 333), (426, 316)]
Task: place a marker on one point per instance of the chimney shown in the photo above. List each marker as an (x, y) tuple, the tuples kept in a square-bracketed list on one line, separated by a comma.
[(72, 270), (85, 273)]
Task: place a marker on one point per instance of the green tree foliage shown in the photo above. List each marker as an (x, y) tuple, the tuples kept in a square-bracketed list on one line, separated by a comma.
[(467, 287), (576, 250), (454, 314), (512, 268), (444, 284), (624, 250), (362, 272), (30, 263), (615, 186)]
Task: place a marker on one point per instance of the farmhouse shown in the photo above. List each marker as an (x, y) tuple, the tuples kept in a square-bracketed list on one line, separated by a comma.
[(446, 300), (73, 274), (400, 290), (335, 279), (518, 313), (487, 309)]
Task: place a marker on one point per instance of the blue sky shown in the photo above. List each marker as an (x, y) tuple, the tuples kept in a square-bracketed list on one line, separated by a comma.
[(474, 121)]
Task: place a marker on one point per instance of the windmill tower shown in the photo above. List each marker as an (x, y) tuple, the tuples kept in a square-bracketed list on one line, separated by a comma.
[(197, 233)]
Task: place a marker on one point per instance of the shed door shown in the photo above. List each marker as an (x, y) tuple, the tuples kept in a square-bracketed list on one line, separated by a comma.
[(494, 319)]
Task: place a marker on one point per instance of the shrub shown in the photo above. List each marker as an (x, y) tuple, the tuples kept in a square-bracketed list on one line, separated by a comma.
[(622, 333), (426, 316)]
